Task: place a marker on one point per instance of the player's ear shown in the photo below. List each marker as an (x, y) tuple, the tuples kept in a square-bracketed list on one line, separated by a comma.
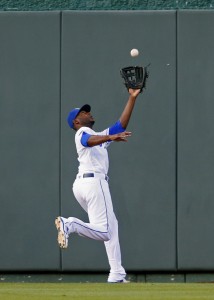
[(76, 122)]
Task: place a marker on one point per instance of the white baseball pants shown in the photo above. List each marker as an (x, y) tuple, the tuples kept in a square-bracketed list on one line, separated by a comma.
[(94, 196)]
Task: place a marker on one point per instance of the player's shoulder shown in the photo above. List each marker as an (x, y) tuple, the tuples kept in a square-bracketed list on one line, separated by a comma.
[(84, 129)]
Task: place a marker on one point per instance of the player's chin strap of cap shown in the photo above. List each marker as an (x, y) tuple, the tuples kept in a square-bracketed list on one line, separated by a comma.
[(95, 175)]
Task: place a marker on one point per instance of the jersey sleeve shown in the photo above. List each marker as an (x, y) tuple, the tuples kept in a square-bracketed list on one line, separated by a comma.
[(116, 128), (84, 139), (82, 136)]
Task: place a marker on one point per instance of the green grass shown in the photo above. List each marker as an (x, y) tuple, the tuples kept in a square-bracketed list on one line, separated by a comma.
[(104, 291)]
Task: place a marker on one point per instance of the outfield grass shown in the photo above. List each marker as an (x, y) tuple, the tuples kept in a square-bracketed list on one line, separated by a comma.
[(104, 291)]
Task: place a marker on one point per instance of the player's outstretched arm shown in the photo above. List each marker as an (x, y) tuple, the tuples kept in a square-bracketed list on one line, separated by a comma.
[(95, 140), (126, 114)]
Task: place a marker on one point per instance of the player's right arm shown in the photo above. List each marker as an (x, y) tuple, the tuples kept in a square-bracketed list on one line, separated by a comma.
[(86, 137), (95, 140)]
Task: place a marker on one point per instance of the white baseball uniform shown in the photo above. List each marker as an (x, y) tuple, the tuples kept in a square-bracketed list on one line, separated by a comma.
[(91, 190)]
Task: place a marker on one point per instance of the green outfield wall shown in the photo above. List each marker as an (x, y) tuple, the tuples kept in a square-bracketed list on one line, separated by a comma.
[(105, 4), (161, 180)]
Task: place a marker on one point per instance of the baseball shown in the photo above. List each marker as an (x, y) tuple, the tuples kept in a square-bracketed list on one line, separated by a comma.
[(134, 52)]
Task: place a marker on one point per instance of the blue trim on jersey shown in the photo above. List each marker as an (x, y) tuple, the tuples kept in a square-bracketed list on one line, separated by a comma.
[(84, 139), (116, 128)]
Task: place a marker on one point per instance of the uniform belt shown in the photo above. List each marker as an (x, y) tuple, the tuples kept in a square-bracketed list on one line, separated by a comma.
[(95, 175)]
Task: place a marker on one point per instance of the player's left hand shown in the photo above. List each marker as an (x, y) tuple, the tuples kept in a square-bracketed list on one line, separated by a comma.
[(120, 137)]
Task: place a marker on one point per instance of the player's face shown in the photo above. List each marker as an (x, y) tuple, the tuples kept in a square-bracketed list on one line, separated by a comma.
[(86, 119)]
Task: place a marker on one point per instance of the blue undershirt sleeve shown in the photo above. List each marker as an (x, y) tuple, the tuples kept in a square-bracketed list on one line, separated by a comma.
[(84, 139), (116, 128)]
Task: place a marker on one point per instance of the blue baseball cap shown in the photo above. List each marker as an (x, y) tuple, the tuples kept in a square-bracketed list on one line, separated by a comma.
[(74, 113)]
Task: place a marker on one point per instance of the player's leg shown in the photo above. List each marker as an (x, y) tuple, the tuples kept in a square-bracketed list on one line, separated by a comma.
[(117, 272), (90, 196), (97, 193)]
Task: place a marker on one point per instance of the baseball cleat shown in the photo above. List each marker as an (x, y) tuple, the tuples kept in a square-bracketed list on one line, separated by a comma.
[(62, 234), (120, 281)]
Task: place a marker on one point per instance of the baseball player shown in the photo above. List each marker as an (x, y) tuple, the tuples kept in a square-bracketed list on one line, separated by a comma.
[(91, 187)]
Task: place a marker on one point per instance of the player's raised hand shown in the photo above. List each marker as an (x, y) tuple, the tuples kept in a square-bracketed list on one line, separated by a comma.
[(120, 137), (134, 92)]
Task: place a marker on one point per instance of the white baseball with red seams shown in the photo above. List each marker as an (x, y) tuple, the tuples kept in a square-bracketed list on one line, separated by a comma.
[(134, 52)]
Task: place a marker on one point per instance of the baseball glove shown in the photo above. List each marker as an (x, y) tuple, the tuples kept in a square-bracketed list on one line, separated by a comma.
[(135, 77)]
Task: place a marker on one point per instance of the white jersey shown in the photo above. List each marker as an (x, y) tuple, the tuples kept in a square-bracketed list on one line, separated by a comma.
[(92, 159)]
